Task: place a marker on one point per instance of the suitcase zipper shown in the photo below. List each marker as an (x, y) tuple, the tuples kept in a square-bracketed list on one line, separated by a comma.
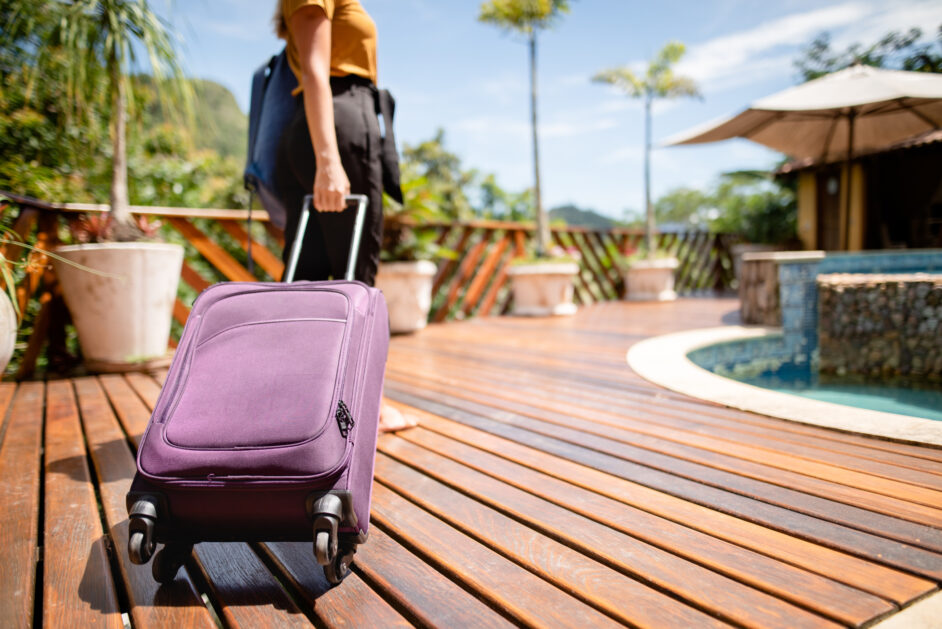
[(344, 418)]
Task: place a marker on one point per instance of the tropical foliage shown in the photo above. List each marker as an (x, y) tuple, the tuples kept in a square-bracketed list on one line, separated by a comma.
[(528, 17), (657, 81), (895, 50), (747, 203), (88, 50)]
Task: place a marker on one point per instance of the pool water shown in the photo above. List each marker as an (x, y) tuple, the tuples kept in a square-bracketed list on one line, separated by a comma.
[(901, 397)]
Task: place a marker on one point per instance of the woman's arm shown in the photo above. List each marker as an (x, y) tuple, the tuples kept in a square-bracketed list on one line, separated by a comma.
[(310, 28)]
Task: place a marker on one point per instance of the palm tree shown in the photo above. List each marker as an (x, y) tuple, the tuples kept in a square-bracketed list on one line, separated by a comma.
[(658, 81), (103, 38), (528, 16)]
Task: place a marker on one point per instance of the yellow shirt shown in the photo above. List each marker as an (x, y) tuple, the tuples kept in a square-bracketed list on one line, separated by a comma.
[(352, 38)]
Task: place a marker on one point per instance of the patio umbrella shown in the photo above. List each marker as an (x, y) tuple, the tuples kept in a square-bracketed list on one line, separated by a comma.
[(850, 112)]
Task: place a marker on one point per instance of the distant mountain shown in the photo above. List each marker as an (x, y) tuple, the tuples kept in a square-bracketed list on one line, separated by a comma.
[(220, 124), (577, 217)]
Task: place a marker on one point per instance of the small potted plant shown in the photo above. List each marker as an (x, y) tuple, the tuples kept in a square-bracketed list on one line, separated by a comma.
[(123, 313), (406, 269), (10, 270), (649, 275), (542, 285)]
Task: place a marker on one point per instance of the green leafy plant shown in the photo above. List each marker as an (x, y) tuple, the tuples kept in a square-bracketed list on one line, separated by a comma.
[(556, 255), (631, 254), (658, 81), (95, 44), (526, 17), (12, 270), (404, 238)]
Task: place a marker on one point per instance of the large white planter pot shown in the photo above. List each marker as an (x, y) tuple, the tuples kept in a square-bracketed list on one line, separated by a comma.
[(8, 326), (541, 290), (407, 287), (122, 318), (651, 280)]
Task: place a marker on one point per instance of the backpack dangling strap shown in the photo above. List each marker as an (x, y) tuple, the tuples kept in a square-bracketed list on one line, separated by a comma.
[(248, 232)]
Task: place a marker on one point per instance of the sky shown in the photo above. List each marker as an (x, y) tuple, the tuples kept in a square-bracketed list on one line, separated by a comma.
[(449, 71)]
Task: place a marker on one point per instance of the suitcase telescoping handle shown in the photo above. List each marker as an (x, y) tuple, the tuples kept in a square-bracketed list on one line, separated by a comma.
[(361, 200)]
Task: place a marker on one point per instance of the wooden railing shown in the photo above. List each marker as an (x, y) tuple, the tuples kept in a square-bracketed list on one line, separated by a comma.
[(473, 283)]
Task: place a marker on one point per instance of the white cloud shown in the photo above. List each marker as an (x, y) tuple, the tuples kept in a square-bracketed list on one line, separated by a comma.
[(768, 49), (744, 56)]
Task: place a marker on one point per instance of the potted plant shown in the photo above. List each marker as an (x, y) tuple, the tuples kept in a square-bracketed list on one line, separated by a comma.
[(10, 269), (123, 313), (97, 44), (542, 285), (649, 276), (406, 270), (652, 278)]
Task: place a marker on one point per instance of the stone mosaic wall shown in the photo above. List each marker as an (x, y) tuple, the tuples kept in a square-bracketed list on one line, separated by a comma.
[(881, 324)]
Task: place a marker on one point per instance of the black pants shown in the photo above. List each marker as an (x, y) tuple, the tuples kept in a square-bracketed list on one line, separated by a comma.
[(326, 244)]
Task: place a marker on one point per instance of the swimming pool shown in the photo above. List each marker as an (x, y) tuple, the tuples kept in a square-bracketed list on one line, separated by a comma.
[(752, 350), (903, 397)]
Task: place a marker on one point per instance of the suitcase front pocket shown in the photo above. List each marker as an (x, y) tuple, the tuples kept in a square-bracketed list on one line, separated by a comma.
[(260, 385)]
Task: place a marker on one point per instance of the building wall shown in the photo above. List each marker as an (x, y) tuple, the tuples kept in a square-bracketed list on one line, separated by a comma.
[(807, 210), (854, 227)]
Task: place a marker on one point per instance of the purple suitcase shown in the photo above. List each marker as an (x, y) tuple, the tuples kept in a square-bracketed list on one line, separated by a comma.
[(266, 426)]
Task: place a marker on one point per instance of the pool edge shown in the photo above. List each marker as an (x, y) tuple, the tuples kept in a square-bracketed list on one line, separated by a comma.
[(663, 361)]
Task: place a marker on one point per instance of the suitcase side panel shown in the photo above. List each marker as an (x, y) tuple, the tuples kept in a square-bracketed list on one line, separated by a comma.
[(370, 393)]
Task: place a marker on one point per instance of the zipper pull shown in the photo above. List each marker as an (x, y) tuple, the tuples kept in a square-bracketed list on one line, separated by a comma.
[(344, 418)]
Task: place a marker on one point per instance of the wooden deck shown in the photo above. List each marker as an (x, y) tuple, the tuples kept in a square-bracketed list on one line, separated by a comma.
[(547, 485)]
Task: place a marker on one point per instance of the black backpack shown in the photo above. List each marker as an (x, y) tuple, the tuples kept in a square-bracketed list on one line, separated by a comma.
[(270, 111)]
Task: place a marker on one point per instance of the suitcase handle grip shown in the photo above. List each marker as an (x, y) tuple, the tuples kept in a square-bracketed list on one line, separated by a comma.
[(361, 201)]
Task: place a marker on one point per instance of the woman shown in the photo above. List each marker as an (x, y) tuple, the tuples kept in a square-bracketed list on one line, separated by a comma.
[(333, 145)]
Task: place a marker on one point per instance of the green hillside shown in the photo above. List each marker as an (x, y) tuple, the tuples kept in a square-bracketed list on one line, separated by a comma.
[(578, 217), (220, 124)]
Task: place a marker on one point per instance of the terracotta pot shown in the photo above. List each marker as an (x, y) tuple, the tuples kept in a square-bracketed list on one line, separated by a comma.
[(407, 287), (651, 280), (545, 289), (122, 318)]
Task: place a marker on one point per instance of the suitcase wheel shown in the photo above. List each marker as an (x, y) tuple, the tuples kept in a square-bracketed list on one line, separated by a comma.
[(141, 543), (337, 569), (169, 561), (140, 550)]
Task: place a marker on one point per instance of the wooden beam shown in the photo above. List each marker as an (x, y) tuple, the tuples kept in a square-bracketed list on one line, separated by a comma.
[(216, 255)]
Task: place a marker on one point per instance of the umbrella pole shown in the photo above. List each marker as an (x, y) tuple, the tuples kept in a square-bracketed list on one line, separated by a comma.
[(848, 167)]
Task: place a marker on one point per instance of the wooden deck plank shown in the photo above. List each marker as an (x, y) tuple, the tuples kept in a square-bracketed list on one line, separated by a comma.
[(78, 588), (353, 604), (175, 605), (512, 589), (694, 416), (691, 488), (19, 501), (244, 592), (734, 595), (899, 587), (570, 569), (685, 429), (146, 387), (426, 594), (128, 406), (870, 492), (857, 508)]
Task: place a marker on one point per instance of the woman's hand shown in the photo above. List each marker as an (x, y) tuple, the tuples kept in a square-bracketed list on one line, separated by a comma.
[(330, 187)]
